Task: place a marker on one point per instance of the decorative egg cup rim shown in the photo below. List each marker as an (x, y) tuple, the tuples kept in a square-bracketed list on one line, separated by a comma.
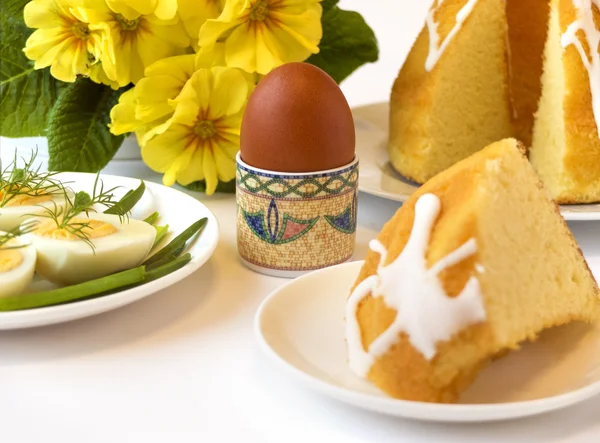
[(295, 175)]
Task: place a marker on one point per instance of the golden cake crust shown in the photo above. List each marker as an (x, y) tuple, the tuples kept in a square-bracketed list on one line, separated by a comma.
[(433, 114), (582, 157)]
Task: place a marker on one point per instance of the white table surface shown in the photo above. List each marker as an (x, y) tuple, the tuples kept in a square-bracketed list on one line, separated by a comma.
[(183, 366)]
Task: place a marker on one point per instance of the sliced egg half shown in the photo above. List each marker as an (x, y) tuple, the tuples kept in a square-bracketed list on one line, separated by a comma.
[(64, 258), (23, 207), (17, 265)]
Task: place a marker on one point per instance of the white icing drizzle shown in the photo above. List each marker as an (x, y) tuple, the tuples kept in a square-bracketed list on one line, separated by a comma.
[(435, 51), (424, 311), (585, 23)]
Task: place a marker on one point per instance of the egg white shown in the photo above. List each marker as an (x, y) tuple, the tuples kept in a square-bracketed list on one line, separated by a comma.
[(70, 262), (15, 281), (12, 216)]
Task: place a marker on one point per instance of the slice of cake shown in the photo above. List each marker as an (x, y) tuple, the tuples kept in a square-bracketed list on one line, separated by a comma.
[(477, 261), (566, 141), (451, 96)]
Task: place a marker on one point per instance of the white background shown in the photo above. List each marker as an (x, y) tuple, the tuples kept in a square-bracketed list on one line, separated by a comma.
[(182, 365)]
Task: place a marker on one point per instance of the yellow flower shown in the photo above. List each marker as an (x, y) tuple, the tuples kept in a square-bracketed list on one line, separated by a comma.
[(194, 13), (61, 41), (98, 75), (260, 35), (146, 109), (203, 138), (132, 9), (131, 45)]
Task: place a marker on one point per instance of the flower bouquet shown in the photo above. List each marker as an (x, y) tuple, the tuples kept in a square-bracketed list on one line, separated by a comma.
[(176, 73)]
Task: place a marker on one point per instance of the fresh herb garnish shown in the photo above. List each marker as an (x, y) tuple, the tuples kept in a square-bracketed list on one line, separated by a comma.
[(25, 228), (64, 217), (26, 181)]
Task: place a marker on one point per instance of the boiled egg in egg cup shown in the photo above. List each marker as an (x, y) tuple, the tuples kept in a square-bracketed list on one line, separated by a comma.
[(17, 264), (104, 244)]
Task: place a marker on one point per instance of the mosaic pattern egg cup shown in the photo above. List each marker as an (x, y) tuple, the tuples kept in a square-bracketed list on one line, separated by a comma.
[(292, 223)]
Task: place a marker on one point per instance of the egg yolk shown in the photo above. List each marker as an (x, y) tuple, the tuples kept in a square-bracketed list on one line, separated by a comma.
[(94, 229), (9, 259), (26, 200)]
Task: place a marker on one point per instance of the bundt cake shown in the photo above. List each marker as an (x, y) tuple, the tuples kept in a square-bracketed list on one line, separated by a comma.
[(476, 262), (566, 142), (451, 96), (482, 70)]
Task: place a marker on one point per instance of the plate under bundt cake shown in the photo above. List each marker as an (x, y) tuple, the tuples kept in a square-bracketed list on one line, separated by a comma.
[(482, 70), (476, 262)]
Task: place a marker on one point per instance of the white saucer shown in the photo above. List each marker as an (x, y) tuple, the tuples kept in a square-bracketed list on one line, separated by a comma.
[(176, 209), (378, 177), (301, 327)]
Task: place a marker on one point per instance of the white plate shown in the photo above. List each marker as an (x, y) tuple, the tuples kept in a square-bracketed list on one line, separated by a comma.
[(177, 209), (301, 327), (378, 177)]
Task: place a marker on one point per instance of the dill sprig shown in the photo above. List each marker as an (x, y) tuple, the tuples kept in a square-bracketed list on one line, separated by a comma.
[(25, 228), (27, 181), (78, 203)]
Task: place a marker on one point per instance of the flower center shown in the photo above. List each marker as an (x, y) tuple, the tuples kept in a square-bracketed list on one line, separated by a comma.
[(259, 11), (81, 31), (127, 25), (205, 129)]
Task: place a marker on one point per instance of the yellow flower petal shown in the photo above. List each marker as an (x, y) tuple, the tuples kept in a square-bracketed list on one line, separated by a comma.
[(229, 94), (44, 14), (231, 17), (209, 56), (179, 67), (166, 9), (240, 49), (150, 130), (132, 9), (210, 172), (225, 165), (194, 170), (98, 75), (123, 114), (160, 152), (194, 14), (181, 162), (44, 45)]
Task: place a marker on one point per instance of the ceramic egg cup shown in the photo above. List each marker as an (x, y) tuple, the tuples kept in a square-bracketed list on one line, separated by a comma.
[(292, 223)]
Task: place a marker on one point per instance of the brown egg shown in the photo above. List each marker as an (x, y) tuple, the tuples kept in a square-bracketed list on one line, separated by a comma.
[(297, 120)]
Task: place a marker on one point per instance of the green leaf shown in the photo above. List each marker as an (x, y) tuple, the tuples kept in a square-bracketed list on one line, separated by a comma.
[(200, 186), (26, 95), (78, 135), (14, 8), (326, 4), (347, 43)]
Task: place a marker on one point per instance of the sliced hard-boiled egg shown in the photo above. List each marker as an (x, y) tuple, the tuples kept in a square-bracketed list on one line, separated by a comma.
[(64, 257), (17, 265), (22, 207)]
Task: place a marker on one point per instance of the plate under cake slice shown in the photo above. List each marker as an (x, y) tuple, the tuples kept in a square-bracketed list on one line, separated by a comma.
[(566, 135), (476, 262)]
